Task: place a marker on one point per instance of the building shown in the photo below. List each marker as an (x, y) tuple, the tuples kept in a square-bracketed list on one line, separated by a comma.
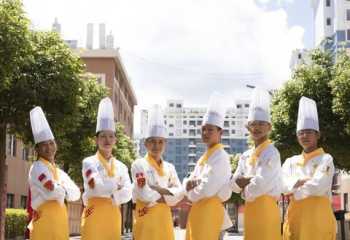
[(110, 41), (18, 164), (102, 35), (107, 65), (56, 26), (299, 56), (331, 24), (90, 36), (184, 144)]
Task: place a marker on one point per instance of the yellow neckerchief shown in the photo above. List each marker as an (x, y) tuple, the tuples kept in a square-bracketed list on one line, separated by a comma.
[(257, 151), (153, 163), (104, 162), (52, 167), (305, 157), (204, 158)]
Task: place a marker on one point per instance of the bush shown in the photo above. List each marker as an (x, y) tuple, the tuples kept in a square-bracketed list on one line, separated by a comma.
[(15, 222)]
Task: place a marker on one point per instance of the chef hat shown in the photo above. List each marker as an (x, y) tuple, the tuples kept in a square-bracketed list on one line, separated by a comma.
[(259, 109), (307, 115), (105, 116), (156, 125), (40, 127), (216, 110)]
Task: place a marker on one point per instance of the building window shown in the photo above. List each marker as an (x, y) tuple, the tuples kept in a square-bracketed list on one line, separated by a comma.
[(192, 132), (25, 154), (199, 122), (171, 105), (348, 34), (246, 105), (348, 14), (239, 105), (171, 134), (178, 105), (233, 123), (10, 200), (328, 21), (12, 145), (198, 131), (328, 3), (171, 125), (192, 123), (226, 133), (184, 131), (233, 131), (23, 202), (185, 122), (226, 124)]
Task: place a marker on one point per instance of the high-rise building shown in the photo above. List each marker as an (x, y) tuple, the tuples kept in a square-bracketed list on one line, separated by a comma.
[(331, 23), (56, 27), (107, 65), (110, 41), (184, 144), (90, 36), (102, 35)]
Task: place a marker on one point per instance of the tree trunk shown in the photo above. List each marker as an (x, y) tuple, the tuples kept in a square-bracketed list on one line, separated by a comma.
[(3, 179)]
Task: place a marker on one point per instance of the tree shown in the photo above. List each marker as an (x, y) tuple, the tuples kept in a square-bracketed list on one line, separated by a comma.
[(36, 69), (236, 198), (318, 80)]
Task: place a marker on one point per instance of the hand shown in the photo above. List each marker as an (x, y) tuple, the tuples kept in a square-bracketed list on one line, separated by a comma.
[(242, 182), (191, 184), (300, 182), (140, 179), (161, 200), (161, 191), (91, 183)]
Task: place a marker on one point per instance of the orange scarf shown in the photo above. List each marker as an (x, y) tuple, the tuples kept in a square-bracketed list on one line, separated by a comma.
[(204, 158), (110, 170), (305, 157), (257, 151), (52, 167), (153, 163)]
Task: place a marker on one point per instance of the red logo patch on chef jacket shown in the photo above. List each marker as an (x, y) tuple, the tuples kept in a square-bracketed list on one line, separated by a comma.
[(88, 173), (41, 177), (88, 211), (49, 185)]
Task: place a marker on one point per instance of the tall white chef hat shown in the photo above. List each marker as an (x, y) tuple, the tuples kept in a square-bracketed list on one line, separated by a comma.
[(105, 116), (307, 115), (40, 127)]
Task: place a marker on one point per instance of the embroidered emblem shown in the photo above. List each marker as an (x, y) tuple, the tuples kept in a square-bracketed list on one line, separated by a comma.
[(49, 185), (143, 211), (88, 173), (41, 177), (88, 211)]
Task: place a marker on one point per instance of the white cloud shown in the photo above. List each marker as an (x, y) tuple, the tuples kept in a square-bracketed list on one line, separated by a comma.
[(185, 48)]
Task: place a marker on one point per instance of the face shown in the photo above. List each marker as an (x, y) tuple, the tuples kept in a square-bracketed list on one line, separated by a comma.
[(155, 146), (47, 149), (258, 129), (105, 140), (308, 138), (211, 134)]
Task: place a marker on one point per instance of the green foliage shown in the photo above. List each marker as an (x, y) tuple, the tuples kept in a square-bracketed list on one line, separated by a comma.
[(16, 222), (14, 40), (316, 80), (124, 149), (235, 197)]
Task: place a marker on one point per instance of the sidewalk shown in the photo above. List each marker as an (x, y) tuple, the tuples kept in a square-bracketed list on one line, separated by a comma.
[(180, 235)]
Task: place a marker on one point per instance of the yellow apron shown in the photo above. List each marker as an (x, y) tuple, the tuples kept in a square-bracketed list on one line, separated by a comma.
[(262, 219), (51, 223), (205, 219), (310, 218), (153, 224), (101, 220)]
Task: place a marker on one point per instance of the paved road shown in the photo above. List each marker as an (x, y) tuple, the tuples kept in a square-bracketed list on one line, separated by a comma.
[(180, 235)]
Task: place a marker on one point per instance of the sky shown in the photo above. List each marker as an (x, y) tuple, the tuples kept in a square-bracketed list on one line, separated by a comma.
[(186, 49)]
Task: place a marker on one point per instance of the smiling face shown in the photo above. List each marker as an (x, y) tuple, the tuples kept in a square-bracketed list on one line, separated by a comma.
[(308, 139), (258, 130), (105, 140), (47, 149), (155, 146), (211, 134)]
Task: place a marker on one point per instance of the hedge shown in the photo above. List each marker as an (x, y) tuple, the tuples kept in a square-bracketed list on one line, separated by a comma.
[(15, 222)]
